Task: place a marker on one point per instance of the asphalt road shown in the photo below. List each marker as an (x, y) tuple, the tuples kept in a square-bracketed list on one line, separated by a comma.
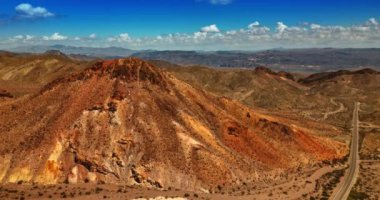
[(353, 170)]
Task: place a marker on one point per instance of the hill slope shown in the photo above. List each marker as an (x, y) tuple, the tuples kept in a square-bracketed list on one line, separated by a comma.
[(327, 97), (126, 121), (25, 73), (260, 87)]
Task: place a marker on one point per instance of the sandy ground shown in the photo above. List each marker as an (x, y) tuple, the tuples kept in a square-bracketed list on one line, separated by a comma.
[(368, 182), (340, 109), (298, 186)]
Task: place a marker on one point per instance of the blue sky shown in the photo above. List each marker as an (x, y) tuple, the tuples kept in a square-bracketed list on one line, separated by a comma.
[(177, 24)]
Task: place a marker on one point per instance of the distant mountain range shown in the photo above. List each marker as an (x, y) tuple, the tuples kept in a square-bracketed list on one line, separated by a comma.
[(304, 60), (108, 52)]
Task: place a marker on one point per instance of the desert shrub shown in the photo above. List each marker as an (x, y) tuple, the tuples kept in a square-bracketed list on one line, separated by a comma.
[(63, 194), (98, 189), (357, 195)]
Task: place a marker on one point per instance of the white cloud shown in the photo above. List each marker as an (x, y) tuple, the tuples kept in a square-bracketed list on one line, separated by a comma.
[(315, 26), (200, 36), (92, 36), (220, 2), (123, 37), (361, 28), (22, 38), (29, 37), (254, 24), (372, 21), (55, 37), (281, 27), (210, 29), (257, 36), (18, 37), (26, 10), (253, 36)]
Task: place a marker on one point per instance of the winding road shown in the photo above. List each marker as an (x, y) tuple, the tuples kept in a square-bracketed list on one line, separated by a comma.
[(340, 109), (353, 170)]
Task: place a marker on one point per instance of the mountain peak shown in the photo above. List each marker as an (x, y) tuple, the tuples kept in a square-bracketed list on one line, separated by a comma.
[(323, 76), (262, 69), (126, 70), (54, 52), (130, 62)]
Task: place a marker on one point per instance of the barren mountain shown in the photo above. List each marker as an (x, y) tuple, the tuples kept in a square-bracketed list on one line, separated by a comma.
[(93, 52), (259, 88), (326, 96), (24, 73), (126, 121), (326, 76)]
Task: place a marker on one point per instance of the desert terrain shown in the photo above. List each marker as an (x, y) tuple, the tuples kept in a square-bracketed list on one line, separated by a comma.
[(129, 129)]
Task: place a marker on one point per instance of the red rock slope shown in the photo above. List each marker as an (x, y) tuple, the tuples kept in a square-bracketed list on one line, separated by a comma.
[(125, 121)]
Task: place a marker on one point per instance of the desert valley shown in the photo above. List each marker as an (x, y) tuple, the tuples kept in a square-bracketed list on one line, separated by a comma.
[(190, 99), (76, 128)]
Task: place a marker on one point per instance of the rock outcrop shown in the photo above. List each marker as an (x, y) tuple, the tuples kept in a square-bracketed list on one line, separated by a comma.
[(5, 94)]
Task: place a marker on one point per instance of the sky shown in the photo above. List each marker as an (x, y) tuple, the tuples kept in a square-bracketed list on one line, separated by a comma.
[(191, 24)]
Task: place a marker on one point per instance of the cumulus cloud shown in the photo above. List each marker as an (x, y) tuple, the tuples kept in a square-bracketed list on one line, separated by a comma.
[(257, 36), (210, 29), (253, 36), (372, 21), (281, 27), (55, 37), (26, 10), (23, 38), (123, 37), (92, 36), (315, 26), (254, 24)]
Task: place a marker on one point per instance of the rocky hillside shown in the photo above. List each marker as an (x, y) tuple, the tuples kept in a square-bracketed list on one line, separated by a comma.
[(126, 121), (25, 73), (259, 87), (326, 76)]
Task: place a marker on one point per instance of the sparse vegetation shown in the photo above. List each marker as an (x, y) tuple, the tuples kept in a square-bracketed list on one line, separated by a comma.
[(243, 132), (354, 195)]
